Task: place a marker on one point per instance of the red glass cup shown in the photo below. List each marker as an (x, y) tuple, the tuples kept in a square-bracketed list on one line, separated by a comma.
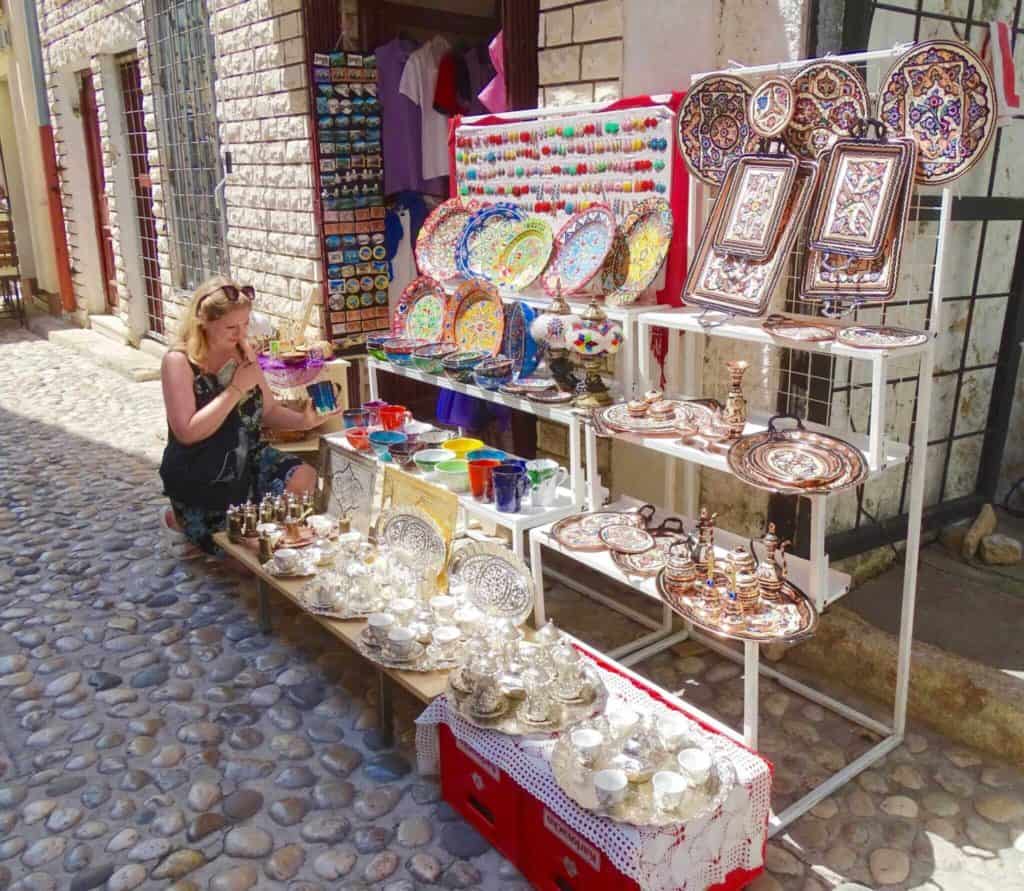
[(481, 483), (394, 417)]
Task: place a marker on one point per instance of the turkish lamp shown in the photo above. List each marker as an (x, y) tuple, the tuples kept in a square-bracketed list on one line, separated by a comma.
[(594, 338)]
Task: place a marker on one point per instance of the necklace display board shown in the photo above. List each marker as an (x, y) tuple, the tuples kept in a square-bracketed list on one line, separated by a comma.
[(349, 180)]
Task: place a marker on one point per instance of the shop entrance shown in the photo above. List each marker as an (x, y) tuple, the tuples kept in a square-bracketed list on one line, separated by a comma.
[(97, 182)]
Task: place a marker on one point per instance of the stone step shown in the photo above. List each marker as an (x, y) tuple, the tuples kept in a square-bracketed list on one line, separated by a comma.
[(111, 327), (126, 361)]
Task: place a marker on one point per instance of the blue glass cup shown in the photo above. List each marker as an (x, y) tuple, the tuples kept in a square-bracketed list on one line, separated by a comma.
[(510, 487), (513, 464), (355, 417)]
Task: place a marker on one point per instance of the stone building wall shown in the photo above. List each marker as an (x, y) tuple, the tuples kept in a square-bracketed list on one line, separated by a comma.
[(580, 51)]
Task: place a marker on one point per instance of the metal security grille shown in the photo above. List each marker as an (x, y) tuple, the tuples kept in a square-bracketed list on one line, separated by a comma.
[(142, 191), (182, 68)]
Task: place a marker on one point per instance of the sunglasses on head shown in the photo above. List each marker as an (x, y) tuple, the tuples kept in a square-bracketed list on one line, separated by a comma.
[(232, 292)]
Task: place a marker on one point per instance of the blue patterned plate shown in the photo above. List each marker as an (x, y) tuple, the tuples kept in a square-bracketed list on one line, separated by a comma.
[(485, 234), (580, 250), (519, 346)]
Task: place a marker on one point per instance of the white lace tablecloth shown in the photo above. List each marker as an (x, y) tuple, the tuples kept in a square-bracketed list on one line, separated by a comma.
[(689, 857)]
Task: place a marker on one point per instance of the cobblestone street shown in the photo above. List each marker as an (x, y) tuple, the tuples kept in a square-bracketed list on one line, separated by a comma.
[(151, 736)]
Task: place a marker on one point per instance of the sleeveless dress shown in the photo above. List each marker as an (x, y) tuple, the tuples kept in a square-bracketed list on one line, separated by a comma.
[(230, 466)]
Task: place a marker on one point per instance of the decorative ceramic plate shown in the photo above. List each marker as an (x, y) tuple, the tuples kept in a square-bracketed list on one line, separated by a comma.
[(740, 285), (941, 94), (519, 345), (525, 254), (829, 101), (881, 337), (420, 311), (484, 237), (648, 234), (495, 581), (439, 236), (713, 126), (650, 562), (582, 532), (616, 264), (551, 397), (617, 419), (625, 538), (796, 459), (798, 330), (771, 107), (476, 318), (790, 618), (581, 247), (755, 205), (414, 531), (526, 385)]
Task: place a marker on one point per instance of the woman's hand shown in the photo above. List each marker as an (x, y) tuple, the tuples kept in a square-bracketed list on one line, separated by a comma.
[(248, 376), (312, 418)]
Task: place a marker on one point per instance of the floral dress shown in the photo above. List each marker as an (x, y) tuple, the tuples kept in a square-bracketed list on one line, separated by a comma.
[(230, 466)]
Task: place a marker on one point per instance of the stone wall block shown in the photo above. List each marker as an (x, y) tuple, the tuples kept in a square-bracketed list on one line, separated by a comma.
[(559, 65), (556, 27), (597, 21), (602, 60)]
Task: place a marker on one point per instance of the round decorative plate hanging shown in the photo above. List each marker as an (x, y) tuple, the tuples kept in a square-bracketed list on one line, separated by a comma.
[(439, 236), (525, 254), (476, 318), (519, 345), (829, 101), (771, 107), (485, 234), (420, 311), (648, 234), (941, 94), (713, 126), (581, 247)]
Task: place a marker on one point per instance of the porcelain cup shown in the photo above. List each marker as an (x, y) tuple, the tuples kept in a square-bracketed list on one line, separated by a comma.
[(610, 786), (288, 559), (669, 787), (404, 609), (400, 643), (380, 624), (672, 730), (588, 744), (696, 764)]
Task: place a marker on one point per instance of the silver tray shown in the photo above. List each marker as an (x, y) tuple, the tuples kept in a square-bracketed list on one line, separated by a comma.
[(414, 531), (423, 661), (638, 807), (497, 582), (306, 599)]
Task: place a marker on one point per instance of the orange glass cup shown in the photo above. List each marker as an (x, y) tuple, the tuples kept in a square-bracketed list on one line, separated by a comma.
[(481, 482)]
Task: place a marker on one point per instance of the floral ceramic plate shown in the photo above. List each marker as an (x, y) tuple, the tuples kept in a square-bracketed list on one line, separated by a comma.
[(800, 330), (771, 107), (420, 311), (519, 345), (830, 101), (439, 236), (525, 385), (713, 126), (525, 254), (494, 580), (883, 337), (551, 397), (414, 531), (650, 562), (581, 247), (648, 234), (626, 538), (476, 318), (582, 532), (940, 93), (485, 235)]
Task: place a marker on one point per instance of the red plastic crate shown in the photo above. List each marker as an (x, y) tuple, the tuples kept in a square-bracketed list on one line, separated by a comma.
[(486, 797)]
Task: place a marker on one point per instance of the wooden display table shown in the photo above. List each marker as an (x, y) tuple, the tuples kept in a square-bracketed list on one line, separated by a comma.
[(425, 686)]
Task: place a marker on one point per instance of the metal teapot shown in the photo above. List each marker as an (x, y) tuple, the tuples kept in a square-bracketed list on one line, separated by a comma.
[(769, 574)]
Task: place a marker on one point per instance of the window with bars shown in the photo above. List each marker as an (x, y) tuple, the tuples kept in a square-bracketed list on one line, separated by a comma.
[(182, 70)]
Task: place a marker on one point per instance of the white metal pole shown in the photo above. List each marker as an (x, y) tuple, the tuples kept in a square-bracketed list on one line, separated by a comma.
[(750, 691), (371, 371), (817, 555), (593, 475), (539, 617), (576, 462), (876, 440)]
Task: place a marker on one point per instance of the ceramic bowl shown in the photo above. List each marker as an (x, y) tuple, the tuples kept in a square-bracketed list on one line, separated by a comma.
[(428, 358), (434, 439), (382, 440), (402, 453), (459, 366), (427, 459), (375, 345), (400, 349), (358, 437), (486, 455), (414, 430), (462, 445), (493, 372), (454, 474)]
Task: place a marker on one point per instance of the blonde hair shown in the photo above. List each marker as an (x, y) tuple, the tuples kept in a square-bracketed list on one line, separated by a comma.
[(212, 300)]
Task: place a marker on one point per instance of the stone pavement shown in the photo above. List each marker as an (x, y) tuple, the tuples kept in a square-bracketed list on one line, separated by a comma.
[(150, 736)]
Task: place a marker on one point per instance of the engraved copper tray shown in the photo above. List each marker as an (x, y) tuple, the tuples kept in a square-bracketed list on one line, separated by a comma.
[(790, 619), (617, 419), (713, 126), (796, 461), (756, 196), (881, 337), (581, 532), (829, 101), (649, 563), (786, 328)]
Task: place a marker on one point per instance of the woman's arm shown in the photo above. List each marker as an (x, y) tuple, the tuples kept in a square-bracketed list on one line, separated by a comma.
[(275, 415), (188, 425)]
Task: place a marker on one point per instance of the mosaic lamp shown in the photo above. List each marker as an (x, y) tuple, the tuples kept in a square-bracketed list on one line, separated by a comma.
[(553, 329), (593, 339)]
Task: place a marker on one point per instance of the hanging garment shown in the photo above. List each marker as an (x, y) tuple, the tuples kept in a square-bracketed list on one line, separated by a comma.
[(493, 96), (419, 80), (400, 119), (398, 234)]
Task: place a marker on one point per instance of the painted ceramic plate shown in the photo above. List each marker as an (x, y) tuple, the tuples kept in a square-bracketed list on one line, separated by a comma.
[(420, 311), (648, 234), (884, 337), (616, 264), (829, 101), (525, 255), (581, 247), (551, 397), (941, 94), (647, 563), (439, 236), (415, 532), (476, 318), (524, 385), (484, 236), (582, 532), (796, 329), (519, 346), (625, 538), (713, 126), (494, 580), (771, 107)]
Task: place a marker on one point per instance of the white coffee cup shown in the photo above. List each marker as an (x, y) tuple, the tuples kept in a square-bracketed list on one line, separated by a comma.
[(445, 637), (588, 743), (669, 788), (467, 618), (400, 642), (403, 609), (380, 624), (322, 525), (545, 493), (610, 786), (443, 607), (672, 730), (696, 764), (622, 721), (288, 559)]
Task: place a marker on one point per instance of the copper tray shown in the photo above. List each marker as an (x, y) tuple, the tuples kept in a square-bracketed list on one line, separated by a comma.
[(801, 451), (799, 330), (756, 197), (581, 532), (881, 337), (649, 563), (616, 419), (829, 101), (790, 619), (713, 128)]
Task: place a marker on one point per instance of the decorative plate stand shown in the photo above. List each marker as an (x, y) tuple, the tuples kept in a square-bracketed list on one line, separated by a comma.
[(580, 249), (476, 318), (829, 101), (420, 311), (713, 126), (648, 235), (439, 236), (484, 237)]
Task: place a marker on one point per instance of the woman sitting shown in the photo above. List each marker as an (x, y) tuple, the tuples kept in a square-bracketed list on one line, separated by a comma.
[(217, 399)]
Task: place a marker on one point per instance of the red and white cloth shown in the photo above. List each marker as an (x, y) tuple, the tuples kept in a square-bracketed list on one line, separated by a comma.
[(998, 52), (693, 856)]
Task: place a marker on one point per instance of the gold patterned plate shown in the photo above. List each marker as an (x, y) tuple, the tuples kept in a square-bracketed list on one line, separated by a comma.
[(881, 337), (439, 236), (771, 107), (794, 461), (791, 618), (647, 231), (420, 311), (649, 563), (829, 101), (799, 330), (525, 254), (756, 198), (626, 538), (616, 419), (940, 94), (713, 127), (476, 318), (582, 532)]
